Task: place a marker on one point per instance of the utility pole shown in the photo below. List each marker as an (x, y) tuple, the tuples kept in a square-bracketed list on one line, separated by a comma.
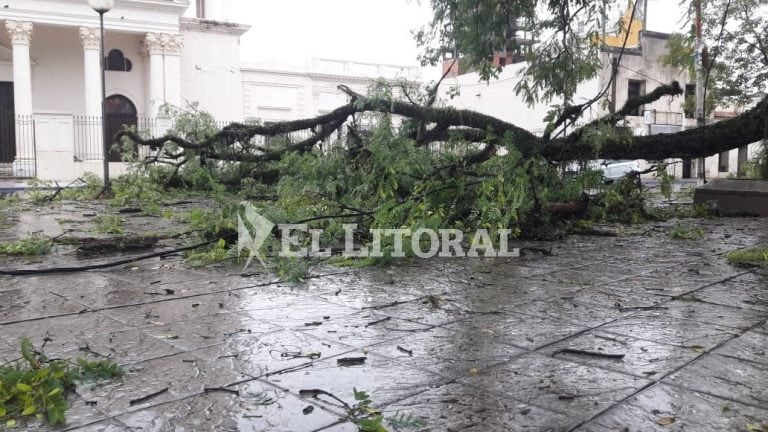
[(699, 88), (614, 73)]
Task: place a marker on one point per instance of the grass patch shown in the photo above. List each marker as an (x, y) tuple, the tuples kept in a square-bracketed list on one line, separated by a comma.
[(687, 232), (109, 224), (36, 387), (35, 244), (751, 257)]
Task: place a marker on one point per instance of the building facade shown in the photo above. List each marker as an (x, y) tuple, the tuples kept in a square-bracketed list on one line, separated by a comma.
[(639, 69), (273, 93)]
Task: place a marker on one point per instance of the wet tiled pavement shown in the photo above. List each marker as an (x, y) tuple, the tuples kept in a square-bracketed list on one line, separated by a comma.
[(635, 333)]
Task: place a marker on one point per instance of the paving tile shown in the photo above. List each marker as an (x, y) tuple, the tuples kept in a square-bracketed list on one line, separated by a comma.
[(749, 291), (209, 330), (260, 354), (24, 303), (559, 385), (385, 380), (671, 330), (435, 310), (457, 407), (168, 310), (752, 346), (450, 353), (689, 307), (108, 425), (526, 331), (642, 358), (735, 379), (657, 285), (506, 293), (63, 333), (154, 272), (593, 274), (362, 328), (292, 312), (689, 411), (222, 411), (175, 377), (122, 347), (616, 296), (587, 315)]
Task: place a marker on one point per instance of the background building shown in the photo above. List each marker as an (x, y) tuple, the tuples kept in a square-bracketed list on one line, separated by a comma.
[(156, 52)]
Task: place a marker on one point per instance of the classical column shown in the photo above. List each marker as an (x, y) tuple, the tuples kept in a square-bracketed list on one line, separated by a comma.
[(172, 45), (153, 44), (20, 33), (91, 38)]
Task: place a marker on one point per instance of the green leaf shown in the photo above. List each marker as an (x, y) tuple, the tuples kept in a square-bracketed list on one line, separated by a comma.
[(29, 410), (10, 424), (54, 392), (3, 411), (25, 388)]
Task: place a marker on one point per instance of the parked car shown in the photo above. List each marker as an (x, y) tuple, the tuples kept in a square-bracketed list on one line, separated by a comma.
[(612, 169)]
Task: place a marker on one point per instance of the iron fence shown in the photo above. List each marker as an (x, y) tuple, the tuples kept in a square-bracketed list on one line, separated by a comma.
[(17, 145), (88, 136)]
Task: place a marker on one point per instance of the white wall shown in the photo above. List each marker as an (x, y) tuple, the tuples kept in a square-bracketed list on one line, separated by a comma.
[(210, 70), (274, 93), (644, 65), (129, 84), (497, 98), (57, 70)]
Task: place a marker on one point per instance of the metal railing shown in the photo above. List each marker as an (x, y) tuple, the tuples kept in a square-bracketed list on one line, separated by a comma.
[(17, 145), (88, 136)]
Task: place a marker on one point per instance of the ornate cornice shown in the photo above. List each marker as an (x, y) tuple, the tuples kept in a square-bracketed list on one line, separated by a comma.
[(20, 32), (172, 44), (163, 43), (210, 26), (90, 37)]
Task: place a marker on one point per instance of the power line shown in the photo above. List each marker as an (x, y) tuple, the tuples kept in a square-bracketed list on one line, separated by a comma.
[(642, 74)]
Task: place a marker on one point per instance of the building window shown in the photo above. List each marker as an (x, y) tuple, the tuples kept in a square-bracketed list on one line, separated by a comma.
[(722, 163), (116, 61), (635, 89), (689, 107)]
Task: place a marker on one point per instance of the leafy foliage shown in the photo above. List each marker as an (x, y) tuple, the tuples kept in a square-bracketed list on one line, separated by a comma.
[(34, 244), (109, 224), (736, 34), (750, 257), (369, 419), (35, 386), (564, 54), (686, 232)]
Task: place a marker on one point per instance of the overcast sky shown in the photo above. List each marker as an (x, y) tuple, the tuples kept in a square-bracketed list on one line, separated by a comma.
[(293, 31)]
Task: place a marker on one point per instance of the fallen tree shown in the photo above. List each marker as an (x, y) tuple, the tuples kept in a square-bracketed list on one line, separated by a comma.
[(442, 124)]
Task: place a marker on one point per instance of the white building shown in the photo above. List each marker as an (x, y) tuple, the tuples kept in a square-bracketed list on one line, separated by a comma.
[(156, 52), (275, 93), (638, 70), (497, 98)]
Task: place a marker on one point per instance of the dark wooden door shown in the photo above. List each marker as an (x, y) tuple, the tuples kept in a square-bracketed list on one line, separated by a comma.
[(121, 113), (7, 123)]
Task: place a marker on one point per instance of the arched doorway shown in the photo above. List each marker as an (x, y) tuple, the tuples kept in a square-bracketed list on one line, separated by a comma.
[(121, 112)]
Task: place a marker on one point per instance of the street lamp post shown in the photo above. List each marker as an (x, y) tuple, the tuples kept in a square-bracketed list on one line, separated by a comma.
[(102, 7)]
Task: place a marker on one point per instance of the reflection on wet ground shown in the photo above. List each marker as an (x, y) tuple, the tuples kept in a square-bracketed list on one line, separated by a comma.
[(626, 333)]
